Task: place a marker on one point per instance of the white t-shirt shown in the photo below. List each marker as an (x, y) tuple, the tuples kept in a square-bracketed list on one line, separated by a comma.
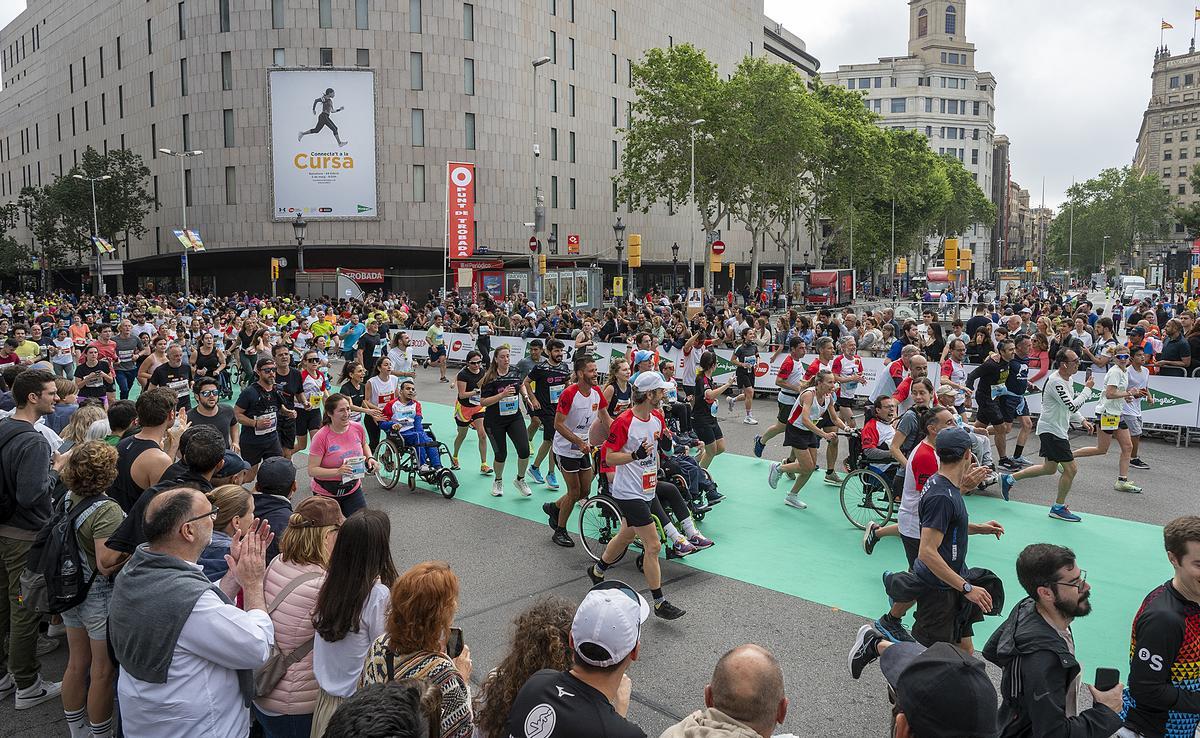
[(401, 359), (338, 665), (380, 392), (1119, 378), (580, 411), (1137, 379), (638, 479)]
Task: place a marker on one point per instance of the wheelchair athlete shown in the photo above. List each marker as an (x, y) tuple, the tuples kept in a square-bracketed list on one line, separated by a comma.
[(402, 416)]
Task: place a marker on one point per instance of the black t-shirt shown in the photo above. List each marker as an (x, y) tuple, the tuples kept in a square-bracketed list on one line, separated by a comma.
[(131, 534), (509, 407), (223, 421), (357, 395), (257, 402), (471, 380), (701, 410), (374, 348), (554, 704), (974, 323), (94, 386), (745, 352), (549, 380), (942, 507), (289, 387), (175, 378)]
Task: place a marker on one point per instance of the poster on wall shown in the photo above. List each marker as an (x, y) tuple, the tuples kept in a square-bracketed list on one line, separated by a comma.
[(550, 284), (566, 288), (323, 143), (581, 288)]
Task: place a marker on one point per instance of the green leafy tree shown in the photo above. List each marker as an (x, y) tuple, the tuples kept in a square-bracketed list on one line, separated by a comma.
[(968, 204), (1189, 215), (13, 256)]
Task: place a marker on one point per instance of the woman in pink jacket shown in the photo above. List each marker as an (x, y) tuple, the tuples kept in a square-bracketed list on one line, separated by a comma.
[(290, 586)]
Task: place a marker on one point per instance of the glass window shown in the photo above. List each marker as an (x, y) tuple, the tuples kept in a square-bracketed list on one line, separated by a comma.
[(469, 124), (929, 105), (614, 24), (226, 70), (469, 76), (922, 23), (223, 13), (151, 88), (182, 21), (850, 84), (614, 154), (277, 13), (227, 120), (1166, 171), (325, 13), (362, 16), (187, 187), (468, 21), (614, 112), (974, 156), (327, 57), (553, 96), (416, 74), (554, 191), (230, 186), (186, 130), (414, 16), (571, 100), (571, 147), (899, 105), (1174, 82), (614, 69), (183, 75), (362, 57), (120, 108), (878, 82), (951, 20), (1182, 189), (571, 51), (418, 182), (943, 57), (864, 83), (277, 57), (553, 47), (553, 144), (571, 190), (418, 127)]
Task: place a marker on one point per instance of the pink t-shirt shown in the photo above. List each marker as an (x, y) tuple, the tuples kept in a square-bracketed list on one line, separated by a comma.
[(333, 448)]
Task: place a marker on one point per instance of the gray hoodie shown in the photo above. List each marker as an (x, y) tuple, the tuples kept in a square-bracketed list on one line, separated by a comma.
[(25, 466), (709, 722)]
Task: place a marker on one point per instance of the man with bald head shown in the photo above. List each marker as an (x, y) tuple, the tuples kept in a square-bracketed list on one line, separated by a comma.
[(744, 699)]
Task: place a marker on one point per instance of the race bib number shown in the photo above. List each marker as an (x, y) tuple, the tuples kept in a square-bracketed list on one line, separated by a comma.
[(714, 407), (650, 481), (475, 399), (672, 394), (269, 428), (314, 401), (556, 391), (406, 418), (509, 406), (125, 356), (1110, 422), (378, 350), (180, 386)]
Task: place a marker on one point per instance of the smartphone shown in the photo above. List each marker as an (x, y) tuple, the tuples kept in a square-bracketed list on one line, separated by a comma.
[(454, 644), (1106, 678)]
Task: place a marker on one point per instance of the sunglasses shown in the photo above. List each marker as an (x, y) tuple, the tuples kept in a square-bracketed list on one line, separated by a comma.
[(270, 369), (207, 393), (210, 514)]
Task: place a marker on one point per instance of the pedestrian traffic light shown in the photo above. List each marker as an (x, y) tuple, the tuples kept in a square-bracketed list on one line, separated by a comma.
[(951, 254), (541, 264), (964, 259), (714, 261), (274, 268), (732, 267), (635, 250), (902, 265), (1029, 266)]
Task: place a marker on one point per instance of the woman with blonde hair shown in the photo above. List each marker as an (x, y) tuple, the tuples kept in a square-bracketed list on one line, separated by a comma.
[(290, 588), (423, 603), (77, 428), (235, 512)]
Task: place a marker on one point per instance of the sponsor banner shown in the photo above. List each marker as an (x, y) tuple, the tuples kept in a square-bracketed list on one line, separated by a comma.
[(190, 239), (103, 245), (460, 209), (362, 276), (323, 143)]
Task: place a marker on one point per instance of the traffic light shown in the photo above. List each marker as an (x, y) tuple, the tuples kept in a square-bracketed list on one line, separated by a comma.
[(964, 259), (541, 264), (951, 254), (902, 265), (274, 268), (1029, 266), (714, 263), (732, 267), (635, 250)]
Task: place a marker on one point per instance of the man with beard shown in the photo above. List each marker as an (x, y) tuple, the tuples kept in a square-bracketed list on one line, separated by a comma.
[(1036, 650)]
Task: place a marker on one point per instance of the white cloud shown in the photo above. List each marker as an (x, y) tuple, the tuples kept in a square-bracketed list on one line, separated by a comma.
[(10, 9)]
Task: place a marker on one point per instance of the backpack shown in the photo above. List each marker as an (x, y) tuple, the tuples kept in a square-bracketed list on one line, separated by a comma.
[(10, 431), (57, 576)]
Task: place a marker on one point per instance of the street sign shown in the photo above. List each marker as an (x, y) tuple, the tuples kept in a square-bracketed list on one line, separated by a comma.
[(533, 244), (573, 243), (718, 247)]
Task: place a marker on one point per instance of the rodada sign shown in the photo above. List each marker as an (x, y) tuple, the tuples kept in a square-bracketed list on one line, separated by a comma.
[(460, 209)]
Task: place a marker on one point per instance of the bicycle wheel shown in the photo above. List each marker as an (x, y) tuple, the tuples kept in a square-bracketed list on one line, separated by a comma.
[(599, 523), (866, 497), (387, 472)]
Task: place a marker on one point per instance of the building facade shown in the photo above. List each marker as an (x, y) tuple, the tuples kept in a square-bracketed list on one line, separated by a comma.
[(454, 81), (936, 90)]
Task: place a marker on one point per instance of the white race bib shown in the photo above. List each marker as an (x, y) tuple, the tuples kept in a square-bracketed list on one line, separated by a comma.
[(556, 391), (272, 421), (509, 406)]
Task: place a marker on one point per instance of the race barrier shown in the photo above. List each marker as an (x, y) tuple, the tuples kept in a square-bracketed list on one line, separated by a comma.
[(1176, 400)]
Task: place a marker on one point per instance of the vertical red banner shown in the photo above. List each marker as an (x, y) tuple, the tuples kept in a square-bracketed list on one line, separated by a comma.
[(460, 209)]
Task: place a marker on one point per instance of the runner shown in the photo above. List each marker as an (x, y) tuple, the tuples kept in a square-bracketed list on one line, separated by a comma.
[(1017, 385), (1131, 412), (258, 408), (127, 348), (988, 383), (824, 363), (535, 354), (848, 373), (745, 358), (632, 450), (804, 434), (314, 388), (173, 374), (500, 389), (954, 374), (381, 389), (574, 415), (289, 384), (790, 381), (1109, 421), (435, 338), (544, 385), (704, 409), (468, 413)]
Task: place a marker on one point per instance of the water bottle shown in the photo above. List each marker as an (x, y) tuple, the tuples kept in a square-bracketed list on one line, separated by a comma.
[(67, 575)]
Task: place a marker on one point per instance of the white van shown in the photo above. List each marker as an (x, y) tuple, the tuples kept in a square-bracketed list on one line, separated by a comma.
[(1130, 283)]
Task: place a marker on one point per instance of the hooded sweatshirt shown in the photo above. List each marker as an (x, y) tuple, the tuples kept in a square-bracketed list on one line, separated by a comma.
[(27, 476), (1039, 669), (709, 722)]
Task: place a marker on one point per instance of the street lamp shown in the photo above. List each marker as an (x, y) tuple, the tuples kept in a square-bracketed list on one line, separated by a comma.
[(553, 242), (1104, 257), (301, 229), (674, 267), (692, 196), (619, 232), (181, 155), (95, 227), (539, 211)]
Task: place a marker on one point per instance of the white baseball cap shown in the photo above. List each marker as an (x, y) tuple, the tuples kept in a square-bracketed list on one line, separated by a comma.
[(608, 623), (650, 381)]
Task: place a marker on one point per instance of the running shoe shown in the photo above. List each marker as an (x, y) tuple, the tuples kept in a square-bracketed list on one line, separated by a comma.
[(497, 488), (454, 463), (537, 475), (424, 469), (698, 507), (682, 547), (56, 630), (714, 497), (1124, 485), (1006, 485), (759, 446), (595, 577), (551, 480), (47, 645), (551, 511), (870, 537), (832, 477), (8, 685), (1137, 463), (989, 480), (750, 420), (731, 402), (37, 693), (773, 475), (562, 538), (892, 628), (699, 541), (795, 501), (864, 650), (484, 469), (522, 487), (443, 379), (667, 611), (1022, 461), (1062, 512)]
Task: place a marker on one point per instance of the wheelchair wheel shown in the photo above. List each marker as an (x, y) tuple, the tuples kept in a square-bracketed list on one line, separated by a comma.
[(387, 470), (599, 523), (641, 562), (447, 484), (866, 497), (235, 374)]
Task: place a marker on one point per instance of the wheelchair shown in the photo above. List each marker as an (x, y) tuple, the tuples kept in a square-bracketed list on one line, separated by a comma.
[(226, 382), (397, 458), (866, 491)]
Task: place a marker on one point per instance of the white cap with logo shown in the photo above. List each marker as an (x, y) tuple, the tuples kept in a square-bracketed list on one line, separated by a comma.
[(608, 623)]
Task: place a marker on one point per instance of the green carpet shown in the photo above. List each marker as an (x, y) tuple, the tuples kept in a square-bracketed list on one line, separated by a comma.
[(816, 554)]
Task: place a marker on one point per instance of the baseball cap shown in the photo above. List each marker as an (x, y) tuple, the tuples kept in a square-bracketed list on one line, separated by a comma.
[(1137, 329), (943, 692), (234, 464), (608, 623), (954, 439), (275, 475), (643, 355), (318, 511), (649, 381), (1026, 309), (263, 361)]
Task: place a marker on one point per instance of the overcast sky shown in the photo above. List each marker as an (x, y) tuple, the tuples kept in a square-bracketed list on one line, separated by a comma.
[(1072, 78)]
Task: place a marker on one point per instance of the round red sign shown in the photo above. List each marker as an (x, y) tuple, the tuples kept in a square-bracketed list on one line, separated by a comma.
[(718, 247)]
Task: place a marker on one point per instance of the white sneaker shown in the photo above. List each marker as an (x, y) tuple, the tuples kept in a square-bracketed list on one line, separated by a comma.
[(749, 420), (37, 693), (522, 487), (56, 630), (7, 686), (497, 488), (795, 501), (773, 475), (732, 402)]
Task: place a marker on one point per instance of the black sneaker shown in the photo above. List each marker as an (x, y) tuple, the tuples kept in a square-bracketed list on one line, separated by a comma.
[(551, 511), (698, 507), (714, 497), (561, 538), (667, 611), (893, 629), (1137, 463), (864, 650), (1009, 464), (591, 572), (870, 538)]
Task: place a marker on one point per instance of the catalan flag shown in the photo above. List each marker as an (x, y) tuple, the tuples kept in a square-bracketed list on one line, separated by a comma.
[(1168, 26)]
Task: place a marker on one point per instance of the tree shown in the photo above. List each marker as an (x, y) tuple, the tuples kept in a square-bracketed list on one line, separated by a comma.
[(13, 255), (1189, 215), (968, 205)]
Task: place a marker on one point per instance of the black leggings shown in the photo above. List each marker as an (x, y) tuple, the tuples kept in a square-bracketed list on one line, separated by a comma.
[(682, 414), (669, 493), (514, 428), (323, 121), (372, 432)]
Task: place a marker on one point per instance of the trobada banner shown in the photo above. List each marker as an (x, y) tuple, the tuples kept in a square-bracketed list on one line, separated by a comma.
[(460, 209)]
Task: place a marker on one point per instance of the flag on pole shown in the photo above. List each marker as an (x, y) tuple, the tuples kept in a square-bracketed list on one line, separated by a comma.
[(104, 246), (1197, 13), (1167, 26)]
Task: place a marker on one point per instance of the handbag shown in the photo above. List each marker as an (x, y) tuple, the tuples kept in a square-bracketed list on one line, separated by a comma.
[(267, 676)]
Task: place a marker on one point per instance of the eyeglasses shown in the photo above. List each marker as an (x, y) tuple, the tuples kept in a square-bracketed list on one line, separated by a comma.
[(207, 393), (475, 361), (1079, 584), (270, 369), (210, 514)]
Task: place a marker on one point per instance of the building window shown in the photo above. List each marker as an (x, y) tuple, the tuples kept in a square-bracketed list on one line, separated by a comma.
[(418, 182), (850, 84), (182, 13), (468, 21), (326, 57), (230, 186), (325, 13), (951, 20), (553, 47), (928, 131), (187, 138), (614, 24), (277, 13), (1168, 138), (118, 52), (100, 57), (1166, 156), (922, 23), (277, 57), (120, 105), (226, 70), (571, 100), (187, 187), (362, 57), (553, 96), (227, 119), (414, 16), (418, 127), (614, 69), (149, 38), (469, 76), (864, 83), (554, 191), (1183, 136), (878, 83), (83, 68), (614, 112), (553, 7), (571, 190), (416, 74), (974, 156), (1166, 172), (469, 126), (153, 142), (614, 155), (1182, 189), (944, 55), (1174, 82), (104, 117), (614, 197), (362, 19), (571, 52), (571, 147), (553, 144), (223, 15), (899, 105)]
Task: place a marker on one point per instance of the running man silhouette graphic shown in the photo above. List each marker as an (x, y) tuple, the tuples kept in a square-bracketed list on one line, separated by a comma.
[(323, 120)]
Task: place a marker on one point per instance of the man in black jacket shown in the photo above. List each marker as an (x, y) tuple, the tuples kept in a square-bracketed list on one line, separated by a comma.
[(1036, 650)]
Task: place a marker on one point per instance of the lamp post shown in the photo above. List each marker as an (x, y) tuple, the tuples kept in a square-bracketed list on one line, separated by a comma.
[(181, 155), (674, 268), (100, 290), (692, 196), (619, 232), (539, 210), (1104, 257), (553, 242)]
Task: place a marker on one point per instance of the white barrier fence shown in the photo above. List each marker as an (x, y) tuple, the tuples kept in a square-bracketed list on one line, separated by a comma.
[(1176, 399)]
